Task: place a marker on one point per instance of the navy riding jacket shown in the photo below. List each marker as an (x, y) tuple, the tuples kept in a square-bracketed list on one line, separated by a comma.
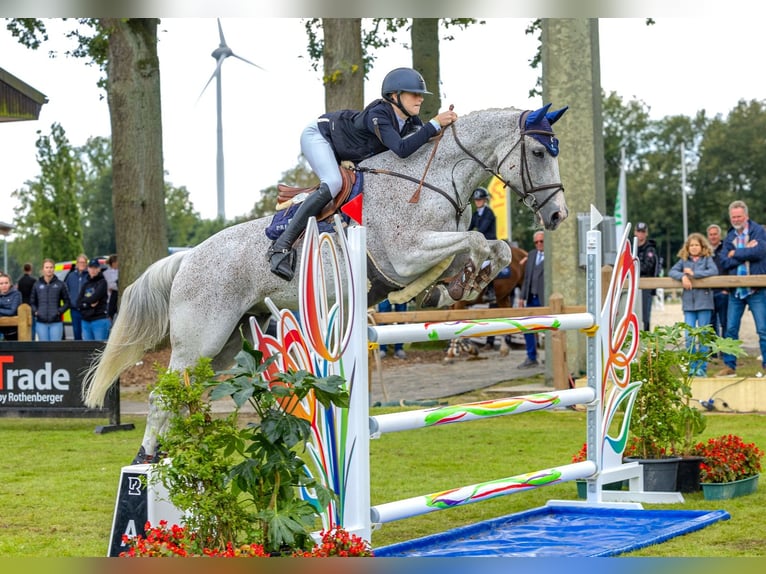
[(357, 135)]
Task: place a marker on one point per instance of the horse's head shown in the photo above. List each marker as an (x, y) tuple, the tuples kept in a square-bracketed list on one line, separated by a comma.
[(531, 167)]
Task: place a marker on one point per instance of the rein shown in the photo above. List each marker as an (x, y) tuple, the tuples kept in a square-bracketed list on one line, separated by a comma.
[(526, 194)]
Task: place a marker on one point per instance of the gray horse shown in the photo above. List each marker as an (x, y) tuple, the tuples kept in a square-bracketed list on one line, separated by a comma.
[(417, 212)]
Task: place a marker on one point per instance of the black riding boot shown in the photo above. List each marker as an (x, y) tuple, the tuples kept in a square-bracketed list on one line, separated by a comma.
[(281, 252)]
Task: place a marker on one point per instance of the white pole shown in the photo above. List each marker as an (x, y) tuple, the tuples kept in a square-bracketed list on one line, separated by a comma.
[(683, 190), (356, 515), (440, 416), (446, 330)]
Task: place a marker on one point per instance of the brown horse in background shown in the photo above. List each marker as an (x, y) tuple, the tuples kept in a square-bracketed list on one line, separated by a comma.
[(504, 288)]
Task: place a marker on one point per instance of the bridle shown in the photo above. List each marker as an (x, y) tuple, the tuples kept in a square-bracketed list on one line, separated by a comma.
[(528, 190), (526, 193)]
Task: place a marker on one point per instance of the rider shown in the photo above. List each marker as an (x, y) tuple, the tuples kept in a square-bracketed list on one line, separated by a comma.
[(391, 123)]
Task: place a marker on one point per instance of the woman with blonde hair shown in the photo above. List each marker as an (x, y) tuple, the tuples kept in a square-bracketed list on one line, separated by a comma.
[(695, 262)]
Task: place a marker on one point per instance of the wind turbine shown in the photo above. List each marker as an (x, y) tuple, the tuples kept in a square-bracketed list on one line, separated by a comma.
[(220, 54)]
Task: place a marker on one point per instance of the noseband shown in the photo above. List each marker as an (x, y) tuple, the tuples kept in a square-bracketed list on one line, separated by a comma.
[(528, 189)]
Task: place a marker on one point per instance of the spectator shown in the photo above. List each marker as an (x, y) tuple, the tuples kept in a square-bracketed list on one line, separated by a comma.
[(49, 300), (650, 267), (92, 303), (483, 220), (112, 275), (533, 292), (385, 307), (74, 280), (25, 283), (10, 299), (720, 296), (695, 262), (744, 253)]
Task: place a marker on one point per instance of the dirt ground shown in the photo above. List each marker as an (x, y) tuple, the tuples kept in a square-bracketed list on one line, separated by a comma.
[(143, 373)]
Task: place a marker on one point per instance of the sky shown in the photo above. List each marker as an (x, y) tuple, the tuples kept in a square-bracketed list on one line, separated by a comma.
[(677, 66)]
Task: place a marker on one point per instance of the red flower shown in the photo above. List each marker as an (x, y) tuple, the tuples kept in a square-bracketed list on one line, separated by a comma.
[(174, 541), (728, 458)]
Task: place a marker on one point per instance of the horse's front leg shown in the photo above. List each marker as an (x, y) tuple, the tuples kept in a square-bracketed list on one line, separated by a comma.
[(484, 260)]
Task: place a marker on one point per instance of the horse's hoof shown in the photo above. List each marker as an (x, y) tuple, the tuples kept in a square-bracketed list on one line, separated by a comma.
[(143, 458), (504, 351), (431, 298)]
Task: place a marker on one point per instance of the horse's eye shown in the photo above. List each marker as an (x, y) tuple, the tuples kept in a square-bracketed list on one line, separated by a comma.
[(538, 153)]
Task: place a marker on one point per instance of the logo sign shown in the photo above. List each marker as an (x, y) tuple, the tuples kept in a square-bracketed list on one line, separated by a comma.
[(131, 511), (40, 376)]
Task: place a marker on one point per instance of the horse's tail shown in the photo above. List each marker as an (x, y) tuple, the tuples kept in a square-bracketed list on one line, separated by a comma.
[(142, 323)]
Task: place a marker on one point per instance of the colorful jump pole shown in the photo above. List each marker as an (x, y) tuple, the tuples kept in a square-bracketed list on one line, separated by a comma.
[(439, 416), (446, 330), (455, 497)]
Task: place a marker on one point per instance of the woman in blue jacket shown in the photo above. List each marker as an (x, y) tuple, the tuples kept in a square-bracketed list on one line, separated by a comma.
[(390, 123), (696, 261)]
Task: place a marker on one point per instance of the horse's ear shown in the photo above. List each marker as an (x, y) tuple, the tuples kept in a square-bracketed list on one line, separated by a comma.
[(553, 117), (534, 117)]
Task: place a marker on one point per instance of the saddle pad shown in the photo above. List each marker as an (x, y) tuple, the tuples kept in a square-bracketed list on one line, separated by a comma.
[(282, 218)]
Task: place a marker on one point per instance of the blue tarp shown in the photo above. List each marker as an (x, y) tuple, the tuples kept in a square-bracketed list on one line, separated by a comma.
[(559, 531)]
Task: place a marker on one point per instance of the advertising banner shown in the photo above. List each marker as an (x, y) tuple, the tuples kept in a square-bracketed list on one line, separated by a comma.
[(45, 379)]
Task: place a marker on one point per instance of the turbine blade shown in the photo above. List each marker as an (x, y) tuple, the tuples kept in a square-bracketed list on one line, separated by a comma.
[(248, 61), (220, 32), (215, 74)]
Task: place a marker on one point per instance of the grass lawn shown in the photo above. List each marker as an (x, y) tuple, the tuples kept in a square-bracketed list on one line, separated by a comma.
[(60, 480)]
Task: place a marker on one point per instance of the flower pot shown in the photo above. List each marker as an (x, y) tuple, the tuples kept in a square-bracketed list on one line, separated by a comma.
[(582, 487), (725, 490), (660, 474), (689, 474)]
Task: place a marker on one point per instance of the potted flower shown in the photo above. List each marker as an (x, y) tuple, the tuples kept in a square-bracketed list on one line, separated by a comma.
[(582, 484), (178, 541), (730, 467), (237, 483), (665, 421)]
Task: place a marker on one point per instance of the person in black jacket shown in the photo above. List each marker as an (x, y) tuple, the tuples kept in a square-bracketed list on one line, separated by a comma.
[(92, 303), (649, 260), (390, 123), (483, 220), (533, 293), (10, 299), (49, 300)]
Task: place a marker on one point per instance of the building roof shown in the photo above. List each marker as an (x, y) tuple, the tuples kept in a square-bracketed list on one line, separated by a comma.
[(18, 101)]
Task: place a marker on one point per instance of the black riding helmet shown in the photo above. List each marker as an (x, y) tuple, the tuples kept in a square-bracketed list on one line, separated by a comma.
[(480, 193), (402, 80)]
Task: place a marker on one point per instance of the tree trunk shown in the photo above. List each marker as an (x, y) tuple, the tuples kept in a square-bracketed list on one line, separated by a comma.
[(425, 59), (343, 64), (133, 93)]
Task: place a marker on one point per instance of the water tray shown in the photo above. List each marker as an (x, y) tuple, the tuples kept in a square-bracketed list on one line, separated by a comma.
[(577, 531)]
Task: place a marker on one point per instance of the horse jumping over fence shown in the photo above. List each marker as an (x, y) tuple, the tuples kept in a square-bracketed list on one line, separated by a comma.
[(417, 214), (504, 285)]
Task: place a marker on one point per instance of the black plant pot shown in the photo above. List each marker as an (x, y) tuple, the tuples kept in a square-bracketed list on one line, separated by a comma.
[(660, 474), (689, 474)]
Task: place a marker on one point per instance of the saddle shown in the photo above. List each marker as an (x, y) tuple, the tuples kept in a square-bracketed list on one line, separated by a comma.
[(287, 196)]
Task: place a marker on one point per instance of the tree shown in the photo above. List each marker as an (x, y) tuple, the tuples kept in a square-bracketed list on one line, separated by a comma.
[(126, 50), (95, 197), (732, 164), (183, 220), (343, 67), (48, 208), (133, 93)]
